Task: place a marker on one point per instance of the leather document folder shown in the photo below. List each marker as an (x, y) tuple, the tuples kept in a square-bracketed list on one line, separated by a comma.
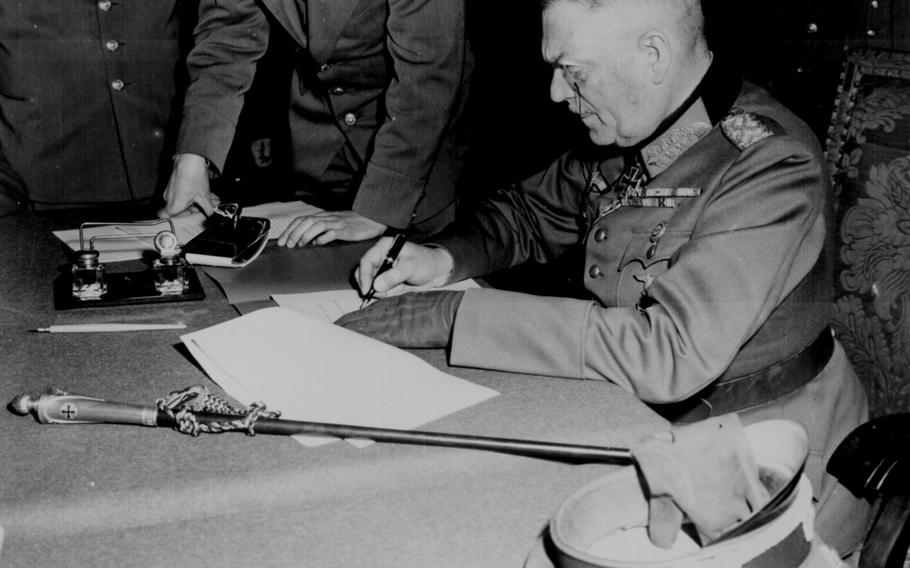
[(228, 241)]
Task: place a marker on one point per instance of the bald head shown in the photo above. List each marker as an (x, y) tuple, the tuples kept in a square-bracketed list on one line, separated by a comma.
[(624, 65), (685, 17)]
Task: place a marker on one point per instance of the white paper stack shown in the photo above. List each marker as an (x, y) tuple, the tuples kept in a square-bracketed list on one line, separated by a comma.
[(315, 371)]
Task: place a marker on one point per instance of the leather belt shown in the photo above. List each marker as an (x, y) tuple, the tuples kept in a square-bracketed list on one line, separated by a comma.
[(740, 393)]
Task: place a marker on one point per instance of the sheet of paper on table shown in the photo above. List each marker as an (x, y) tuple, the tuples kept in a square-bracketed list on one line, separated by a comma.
[(130, 247), (315, 371), (332, 304)]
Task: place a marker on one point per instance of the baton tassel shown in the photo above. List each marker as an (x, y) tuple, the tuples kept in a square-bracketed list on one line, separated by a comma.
[(182, 406)]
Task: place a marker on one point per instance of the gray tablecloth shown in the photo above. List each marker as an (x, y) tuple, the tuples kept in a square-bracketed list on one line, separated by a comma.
[(120, 496)]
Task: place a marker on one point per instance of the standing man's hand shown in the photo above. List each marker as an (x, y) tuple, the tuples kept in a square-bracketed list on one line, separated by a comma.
[(188, 187), (327, 226)]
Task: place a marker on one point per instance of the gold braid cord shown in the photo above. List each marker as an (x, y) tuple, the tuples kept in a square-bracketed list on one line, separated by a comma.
[(183, 405)]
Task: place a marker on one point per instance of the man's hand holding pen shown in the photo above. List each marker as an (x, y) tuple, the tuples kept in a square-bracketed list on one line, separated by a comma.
[(391, 256), (416, 265)]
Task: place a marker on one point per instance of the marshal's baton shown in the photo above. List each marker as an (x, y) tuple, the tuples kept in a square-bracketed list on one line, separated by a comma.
[(59, 407)]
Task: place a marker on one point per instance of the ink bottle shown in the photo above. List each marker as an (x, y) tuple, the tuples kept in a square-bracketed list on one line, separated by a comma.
[(88, 276), (170, 269)]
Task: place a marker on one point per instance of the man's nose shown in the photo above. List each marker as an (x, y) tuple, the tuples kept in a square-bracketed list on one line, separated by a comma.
[(560, 90)]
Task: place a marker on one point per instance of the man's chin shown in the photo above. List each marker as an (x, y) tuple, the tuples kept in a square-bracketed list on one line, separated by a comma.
[(601, 138)]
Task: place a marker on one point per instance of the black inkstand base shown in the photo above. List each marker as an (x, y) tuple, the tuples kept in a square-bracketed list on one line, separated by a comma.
[(126, 288), (168, 279)]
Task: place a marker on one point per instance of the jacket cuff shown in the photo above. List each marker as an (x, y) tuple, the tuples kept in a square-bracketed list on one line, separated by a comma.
[(206, 133), (460, 251)]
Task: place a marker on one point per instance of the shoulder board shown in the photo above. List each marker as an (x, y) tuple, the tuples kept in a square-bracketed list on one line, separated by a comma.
[(744, 129)]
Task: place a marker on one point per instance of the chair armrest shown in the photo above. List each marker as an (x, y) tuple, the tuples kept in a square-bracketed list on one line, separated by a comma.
[(873, 462)]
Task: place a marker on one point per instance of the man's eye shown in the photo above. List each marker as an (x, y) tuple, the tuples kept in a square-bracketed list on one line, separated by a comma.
[(576, 74)]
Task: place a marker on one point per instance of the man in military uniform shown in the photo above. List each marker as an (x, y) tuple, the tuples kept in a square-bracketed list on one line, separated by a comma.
[(86, 94), (705, 230), (375, 118)]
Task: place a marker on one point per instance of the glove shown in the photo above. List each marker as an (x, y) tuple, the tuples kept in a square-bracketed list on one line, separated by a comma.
[(706, 470), (415, 319)]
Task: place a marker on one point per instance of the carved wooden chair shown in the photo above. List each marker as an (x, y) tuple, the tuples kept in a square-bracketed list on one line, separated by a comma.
[(868, 151)]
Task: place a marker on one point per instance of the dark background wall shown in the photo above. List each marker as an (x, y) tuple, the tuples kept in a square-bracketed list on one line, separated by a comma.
[(796, 47), (793, 47)]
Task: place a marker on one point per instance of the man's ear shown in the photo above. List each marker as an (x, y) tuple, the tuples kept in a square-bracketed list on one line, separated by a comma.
[(654, 46)]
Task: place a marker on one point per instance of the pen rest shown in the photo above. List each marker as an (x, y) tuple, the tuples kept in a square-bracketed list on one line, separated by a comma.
[(126, 288)]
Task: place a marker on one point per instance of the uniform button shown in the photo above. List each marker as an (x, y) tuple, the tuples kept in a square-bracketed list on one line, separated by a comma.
[(658, 231), (324, 67), (870, 33), (812, 28), (157, 133), (594, 271), (350, 119), (117, 84), (600, 235), (336, 91), (112, 45), (104, 5)]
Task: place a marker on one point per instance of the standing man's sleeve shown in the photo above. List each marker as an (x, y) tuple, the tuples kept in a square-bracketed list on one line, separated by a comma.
[(429, 51), (230, 37)]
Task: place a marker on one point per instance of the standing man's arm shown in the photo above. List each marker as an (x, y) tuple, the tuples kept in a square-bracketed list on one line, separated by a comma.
[(429, 50), (230, 37), (431, 64)]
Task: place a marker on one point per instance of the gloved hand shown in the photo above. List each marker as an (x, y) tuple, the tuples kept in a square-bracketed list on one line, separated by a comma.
[(415, 319), (706, 470)]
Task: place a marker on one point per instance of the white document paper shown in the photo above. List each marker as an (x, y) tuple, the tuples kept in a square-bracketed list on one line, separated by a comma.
[(130, 247), (315, 371), (332, 304)]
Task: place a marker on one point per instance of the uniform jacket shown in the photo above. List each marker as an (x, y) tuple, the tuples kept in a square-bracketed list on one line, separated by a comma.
[(732, 280), (394, 71), (86, 90)]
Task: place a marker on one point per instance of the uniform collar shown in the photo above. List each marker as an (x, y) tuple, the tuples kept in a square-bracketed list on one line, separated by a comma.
[(708, 103)]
